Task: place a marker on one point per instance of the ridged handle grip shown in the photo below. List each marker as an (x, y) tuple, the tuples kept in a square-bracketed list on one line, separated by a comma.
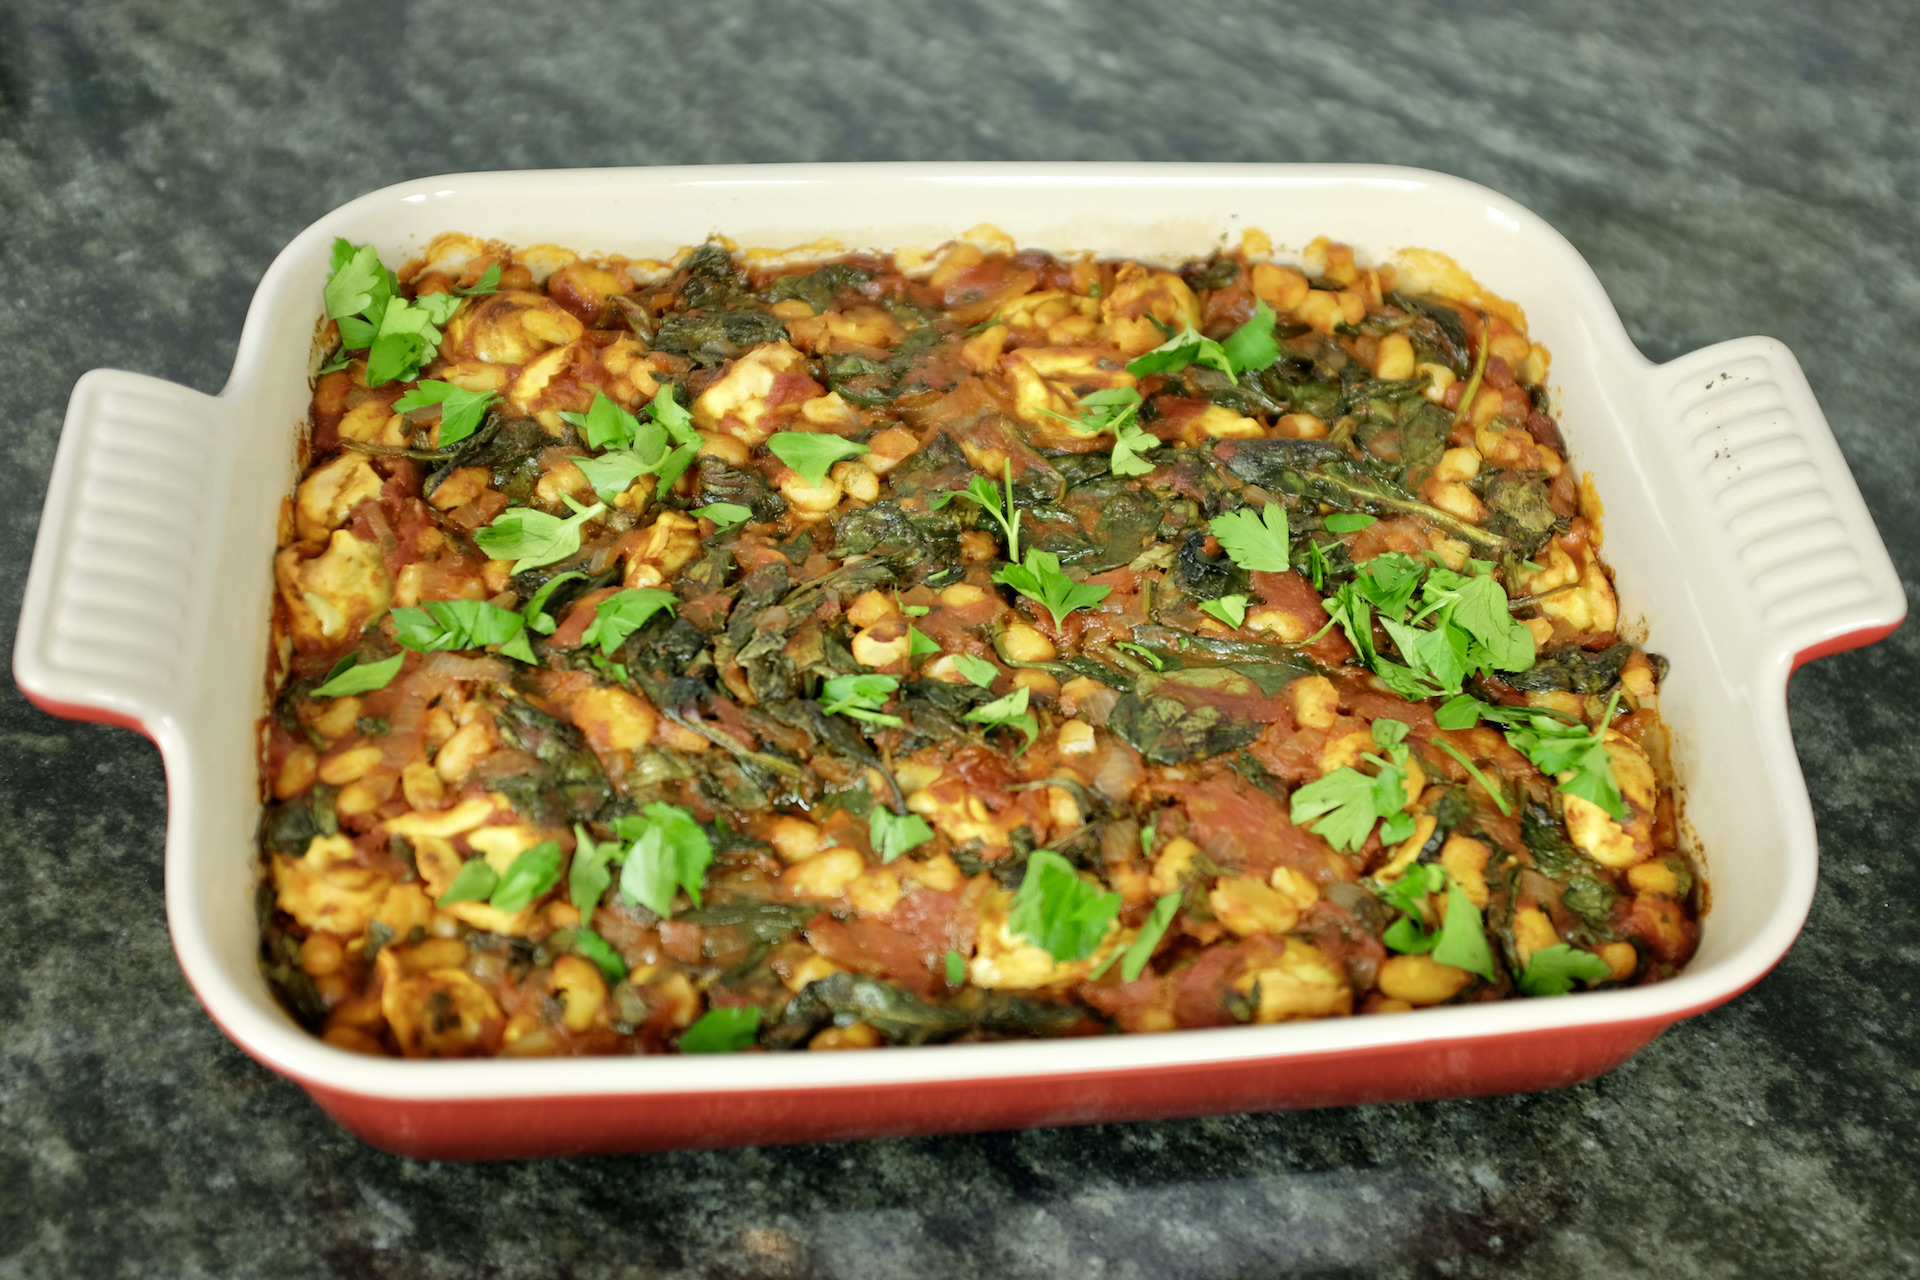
[(113, 620), (1789, 527)]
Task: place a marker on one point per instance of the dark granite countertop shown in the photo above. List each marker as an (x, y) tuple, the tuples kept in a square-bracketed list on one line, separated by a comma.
[(1744, 166)]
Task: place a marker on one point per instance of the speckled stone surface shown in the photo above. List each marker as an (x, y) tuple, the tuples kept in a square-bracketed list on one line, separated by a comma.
[(1733, 167)]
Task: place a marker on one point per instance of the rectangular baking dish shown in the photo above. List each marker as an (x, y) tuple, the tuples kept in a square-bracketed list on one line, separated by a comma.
[(1734, 527)]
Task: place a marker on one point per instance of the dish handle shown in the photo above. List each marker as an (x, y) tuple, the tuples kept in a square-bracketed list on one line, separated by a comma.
[(1768, 479), (115, 606)]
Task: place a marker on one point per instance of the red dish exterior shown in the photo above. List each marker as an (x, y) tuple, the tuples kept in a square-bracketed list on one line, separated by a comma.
[(519, 1128)]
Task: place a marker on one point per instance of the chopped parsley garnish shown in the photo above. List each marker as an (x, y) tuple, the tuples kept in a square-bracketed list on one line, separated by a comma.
[(589, 945), (920, 645), (531, 874), (1556, 747), (669, 851), (1348, 522), (1252, 346), (1463, 938), (474, 883), (956, 968), (1231, 610), (1409, 934), (350, 675), (441, 625), (533, 538), (1257, 542), (981, 492), (1117, 409), (1059, 912), (1107, 410), (663, 446), (1343, 806), (363, 299), (725, 514), (1473, 771), (1551, 971), (460, 411), (1130, 441), (722, 1031), (1134, 959), (978, 671), (861, 696), (1176, 353), (811, 454), (619, 616), (892, 834), (1041, 581), (589, 876), (1462, 711), (1009, 712), (489, 282)]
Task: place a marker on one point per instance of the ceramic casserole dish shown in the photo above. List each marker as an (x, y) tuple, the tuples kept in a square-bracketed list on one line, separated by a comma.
[(1736, 533)]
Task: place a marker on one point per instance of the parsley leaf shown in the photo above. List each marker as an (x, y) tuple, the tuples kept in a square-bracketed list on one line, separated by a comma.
[(1349, 609), (722, 1031), (357, 283), (670, 851), (861, 696), (1557, 748), (981, 492), (1501, 642), (588, 877), (725, 514), (1041, 581), (812, 453), (1255, 542), (1252, 346), (1347, 522), (407, 337), (978, 671), (1130, 441), (1463, 938), (1058, 911), (441, 625), (1473, 771), (1176, 353), (1009, 712), (1551, 970), (489, 282), (1462, 711), (349, 675), (956, 968), (892, 834), (1231, 610), (1438, 655), (533, 538), (605, 425), (1107, 410), (613, 471), (918, 645), (534, 872), (1409, 935), (619, 616), (460, 410), (1141, 949), (1388, 581), (589, 945), (363, 299), (1347, 802), (474, 883)]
